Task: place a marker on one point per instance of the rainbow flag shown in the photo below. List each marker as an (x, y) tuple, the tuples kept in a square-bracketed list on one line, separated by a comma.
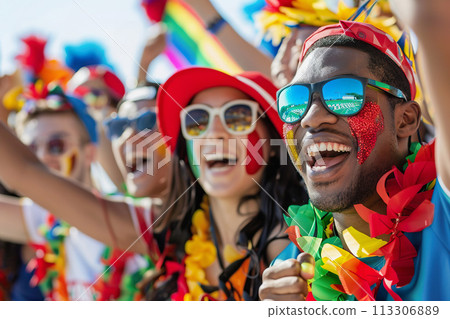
[(189, 43)]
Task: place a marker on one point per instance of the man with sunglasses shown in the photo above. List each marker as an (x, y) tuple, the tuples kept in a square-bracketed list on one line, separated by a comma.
[(135, 123), (350, 114)]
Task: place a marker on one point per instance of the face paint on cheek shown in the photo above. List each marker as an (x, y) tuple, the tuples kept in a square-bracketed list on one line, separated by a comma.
[(288, 132), (365, 128), (253, 166), (192, 158), (68, 163), (161, 150)]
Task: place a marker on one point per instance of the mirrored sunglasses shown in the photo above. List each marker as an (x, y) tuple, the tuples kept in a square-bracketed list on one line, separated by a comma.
[(342, 95)]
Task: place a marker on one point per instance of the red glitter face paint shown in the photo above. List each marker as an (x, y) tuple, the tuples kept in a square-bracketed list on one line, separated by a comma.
[(365, 128), (253, 166)]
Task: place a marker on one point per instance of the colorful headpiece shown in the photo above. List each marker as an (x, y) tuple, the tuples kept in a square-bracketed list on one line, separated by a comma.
[(39, 97), (279, 16)]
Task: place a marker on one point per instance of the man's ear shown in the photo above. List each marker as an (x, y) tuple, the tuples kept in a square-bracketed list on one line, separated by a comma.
[(407, 118)]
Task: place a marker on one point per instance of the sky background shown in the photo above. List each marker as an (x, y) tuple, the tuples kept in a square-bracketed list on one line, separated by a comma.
[(119, 25)]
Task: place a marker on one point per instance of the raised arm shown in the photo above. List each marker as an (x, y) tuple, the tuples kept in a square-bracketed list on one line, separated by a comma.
[(12, 223), (245, 54), (154, 46), (429, 21), (21, 171)]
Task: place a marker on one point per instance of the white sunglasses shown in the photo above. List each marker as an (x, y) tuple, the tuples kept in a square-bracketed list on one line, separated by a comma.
[(238, 117)]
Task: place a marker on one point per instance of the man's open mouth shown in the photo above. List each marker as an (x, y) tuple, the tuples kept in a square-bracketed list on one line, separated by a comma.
[(323, 155)]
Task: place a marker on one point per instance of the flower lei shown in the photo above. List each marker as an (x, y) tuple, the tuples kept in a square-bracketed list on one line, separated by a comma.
[(115, 283), (49, 263), (200, 254), (338, 274)]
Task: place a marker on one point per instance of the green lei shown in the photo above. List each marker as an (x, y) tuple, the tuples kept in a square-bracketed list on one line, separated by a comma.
[(316, 229)]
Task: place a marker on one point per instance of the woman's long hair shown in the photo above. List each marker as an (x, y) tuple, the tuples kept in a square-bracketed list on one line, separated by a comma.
[(282, 187)]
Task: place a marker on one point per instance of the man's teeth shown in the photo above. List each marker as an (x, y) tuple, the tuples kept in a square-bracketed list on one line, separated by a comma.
[(318, 168), (313, 149)]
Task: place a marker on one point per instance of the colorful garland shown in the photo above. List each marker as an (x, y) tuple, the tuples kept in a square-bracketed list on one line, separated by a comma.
[(116, 283), (49, 263), (338, 274), (200, 254)]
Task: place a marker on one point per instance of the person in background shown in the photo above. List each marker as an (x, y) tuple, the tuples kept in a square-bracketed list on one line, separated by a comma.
[(58, 129), (101, 89)]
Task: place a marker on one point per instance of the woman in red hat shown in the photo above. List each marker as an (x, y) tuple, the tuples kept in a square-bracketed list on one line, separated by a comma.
[(230, 185)]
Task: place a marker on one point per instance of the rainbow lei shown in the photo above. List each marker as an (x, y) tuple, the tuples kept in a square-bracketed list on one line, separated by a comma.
[(338, 273), (115, 283), (49, 263)]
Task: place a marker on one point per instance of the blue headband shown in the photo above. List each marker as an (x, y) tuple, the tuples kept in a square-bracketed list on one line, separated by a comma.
[(89, 123)]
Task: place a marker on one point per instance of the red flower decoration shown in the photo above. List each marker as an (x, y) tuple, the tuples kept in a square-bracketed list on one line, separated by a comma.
[(409, 209), (110, 290), (39, 264), (276, 4), (174, 267)]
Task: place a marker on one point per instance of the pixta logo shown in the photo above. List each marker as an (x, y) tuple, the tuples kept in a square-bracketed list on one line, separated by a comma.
[(147, 151)]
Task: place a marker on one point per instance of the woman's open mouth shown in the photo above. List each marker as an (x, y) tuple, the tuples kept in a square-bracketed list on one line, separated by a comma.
[(220, 161)]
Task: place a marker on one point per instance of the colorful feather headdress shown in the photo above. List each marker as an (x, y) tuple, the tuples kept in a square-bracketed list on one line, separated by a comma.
[(38, 70)]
